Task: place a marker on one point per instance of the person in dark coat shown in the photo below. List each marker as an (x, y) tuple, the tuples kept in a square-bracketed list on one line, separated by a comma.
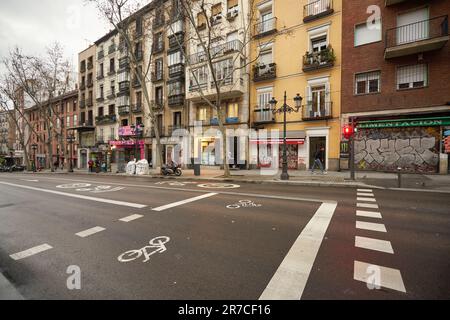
[(319, 160)]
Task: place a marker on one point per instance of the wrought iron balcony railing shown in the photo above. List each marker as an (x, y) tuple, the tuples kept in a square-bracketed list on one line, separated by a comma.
[(318, 60), (317, 9), (265, 27), (262, 72)]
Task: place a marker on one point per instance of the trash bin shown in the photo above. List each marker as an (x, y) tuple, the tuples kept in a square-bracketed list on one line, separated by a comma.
[(196, 170)]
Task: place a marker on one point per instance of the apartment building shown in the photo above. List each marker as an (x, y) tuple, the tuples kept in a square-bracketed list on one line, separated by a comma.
[(229, 48), (7, 133), (61, 114), (86, 127), (296, 47), (398, 92)]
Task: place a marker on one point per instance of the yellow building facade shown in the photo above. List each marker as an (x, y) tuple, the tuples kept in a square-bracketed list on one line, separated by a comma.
[(296, 48)]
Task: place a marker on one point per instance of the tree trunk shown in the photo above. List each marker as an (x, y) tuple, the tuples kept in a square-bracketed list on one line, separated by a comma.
[(223, 131)]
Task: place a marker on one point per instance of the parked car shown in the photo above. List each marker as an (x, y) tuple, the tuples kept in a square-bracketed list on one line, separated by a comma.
[(17, 168)]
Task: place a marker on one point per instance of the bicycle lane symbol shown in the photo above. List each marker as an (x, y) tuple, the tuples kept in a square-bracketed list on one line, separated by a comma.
[(157, 245), (243, 204)]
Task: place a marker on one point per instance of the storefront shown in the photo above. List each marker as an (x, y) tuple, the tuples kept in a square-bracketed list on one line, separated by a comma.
[(415, 145), (126, 151)]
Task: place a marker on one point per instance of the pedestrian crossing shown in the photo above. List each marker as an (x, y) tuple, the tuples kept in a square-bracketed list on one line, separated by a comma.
[(375, 276)]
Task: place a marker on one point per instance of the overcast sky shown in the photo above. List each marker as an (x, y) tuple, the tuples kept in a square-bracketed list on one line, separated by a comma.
[(35, 24)]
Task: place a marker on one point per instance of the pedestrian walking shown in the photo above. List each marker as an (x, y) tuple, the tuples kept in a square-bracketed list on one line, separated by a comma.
[(97, 166), (91, 165), (319, 160)]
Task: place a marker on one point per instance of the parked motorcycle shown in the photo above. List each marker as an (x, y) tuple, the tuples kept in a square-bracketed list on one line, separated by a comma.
[(169, 170)]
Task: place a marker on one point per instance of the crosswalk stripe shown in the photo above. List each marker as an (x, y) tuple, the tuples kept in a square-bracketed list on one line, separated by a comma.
[(364, 190), (360, 194), (374, 244), (131, 218), (31, 252), (90, 232), (367, 205), (370, 226), (366, 199), (368, 214), (388, 277)]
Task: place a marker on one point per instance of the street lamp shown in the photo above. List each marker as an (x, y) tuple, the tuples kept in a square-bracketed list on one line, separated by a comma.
[(34, 146), (284, 110), (70, 141)]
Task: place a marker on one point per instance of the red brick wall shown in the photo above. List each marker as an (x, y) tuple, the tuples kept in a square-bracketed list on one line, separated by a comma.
[(371, 57)]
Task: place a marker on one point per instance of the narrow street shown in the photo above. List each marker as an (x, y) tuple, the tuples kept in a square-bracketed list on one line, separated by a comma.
[(170, 239)]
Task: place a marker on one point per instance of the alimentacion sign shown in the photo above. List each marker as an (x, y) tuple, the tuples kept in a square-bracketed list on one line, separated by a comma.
[(401, 123)]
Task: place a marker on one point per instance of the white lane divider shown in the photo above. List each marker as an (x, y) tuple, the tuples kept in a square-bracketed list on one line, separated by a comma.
[(180, 203), (387, 277), (78, 196), (378, 227), (374, 244), (369, 214), (131, 218), (90, 232), (290, 279), (31, 252), (367, 205)]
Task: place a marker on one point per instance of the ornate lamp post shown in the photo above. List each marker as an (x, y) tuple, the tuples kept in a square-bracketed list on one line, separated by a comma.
[(34, 146), (70, 141), (284, 110)]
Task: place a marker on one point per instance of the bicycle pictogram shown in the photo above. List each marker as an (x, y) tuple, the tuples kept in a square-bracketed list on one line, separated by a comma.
[(244, 204), (157, 245)]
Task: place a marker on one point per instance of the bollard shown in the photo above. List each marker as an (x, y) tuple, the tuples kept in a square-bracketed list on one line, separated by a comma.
[(399, 174)]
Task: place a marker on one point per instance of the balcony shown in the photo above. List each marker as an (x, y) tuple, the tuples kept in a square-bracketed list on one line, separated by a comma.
[(106, 119), (112, 49), (159, 21), (110, 95), (418, 37), (392, 2), (100, 55), (176, 40), (136, 108), (111, 72), (124, 87), (176, 100), (217, 51), (314, 111), (317, 9), (101, 99), (263, 72), (100, 140), (157, 76), (176, 70), (138, 33), (82, 104), (83, 86), (90, 65), (83, 68), (90, 102), (136, 83), (265, 28), (90, 83), (157, 105), (158, 47), (124, 110), (139, 54), (263, 115), (100, 76), (124, 63), (319, 60)]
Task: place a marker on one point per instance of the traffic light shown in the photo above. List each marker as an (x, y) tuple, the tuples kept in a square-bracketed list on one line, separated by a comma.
[(348, 131)]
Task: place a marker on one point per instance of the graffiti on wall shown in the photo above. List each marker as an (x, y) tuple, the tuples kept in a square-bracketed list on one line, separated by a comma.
[(414, 149)]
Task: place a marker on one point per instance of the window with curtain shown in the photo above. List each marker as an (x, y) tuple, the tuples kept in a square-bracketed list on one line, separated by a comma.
[(364, 35), (413, 76)]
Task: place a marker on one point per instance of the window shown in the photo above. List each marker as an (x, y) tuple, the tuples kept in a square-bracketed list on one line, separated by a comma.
[(264, 96), (414, 76), (68, 121), (159, 69), (177, 26), (364, 34), (139, 121), (265, 54), (75, 120), (413, 26), (175, 88), (139, 98), (177, 118), (201, 19), (224, 71), (112, 66), (100, 112), (159, 95), (158, 40), (319, 44), (202, 113), (124, 122), (216, 12), (111, 109), (175, 58), (232, 5), (368, 82), (201, 74), (233, 110)]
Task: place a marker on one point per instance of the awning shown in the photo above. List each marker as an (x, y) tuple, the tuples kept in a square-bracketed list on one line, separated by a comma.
[(278, 141), (276, 137)]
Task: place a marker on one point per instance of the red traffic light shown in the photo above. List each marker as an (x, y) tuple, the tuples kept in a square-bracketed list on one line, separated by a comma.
[(348, 131)]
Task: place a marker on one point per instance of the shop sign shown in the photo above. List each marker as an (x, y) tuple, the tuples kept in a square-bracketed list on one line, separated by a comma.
[(126, 143), (425, 122), (127, 131), (447, 141)]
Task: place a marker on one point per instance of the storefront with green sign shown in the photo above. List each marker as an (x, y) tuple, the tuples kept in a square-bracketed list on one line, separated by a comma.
[(413, 144)]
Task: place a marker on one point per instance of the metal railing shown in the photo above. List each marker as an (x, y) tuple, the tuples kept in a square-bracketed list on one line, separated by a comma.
[(317, 111), (217, 51), (263, 114), (124, 86), (106, 119), (315, 60), (423, 30), (111, 94), (317, 8), (100, 55), (111, 48), (264, 72), (124, 110), (176, 70), (157, 76), (176, 40), (176, 99), (136, 108), (265, 27)]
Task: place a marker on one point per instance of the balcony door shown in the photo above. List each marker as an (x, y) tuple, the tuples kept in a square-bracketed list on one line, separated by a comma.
[(413, 26), (318, 104), (266, 21)]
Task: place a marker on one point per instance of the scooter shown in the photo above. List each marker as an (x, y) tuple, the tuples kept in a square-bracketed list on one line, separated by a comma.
[(171, 170)]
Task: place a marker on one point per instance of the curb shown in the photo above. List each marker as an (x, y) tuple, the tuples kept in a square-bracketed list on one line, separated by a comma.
[(7, 290)]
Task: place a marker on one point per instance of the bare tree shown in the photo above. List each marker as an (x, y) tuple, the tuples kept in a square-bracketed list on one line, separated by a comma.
[(204, 33), (121, 14), (42, 79)]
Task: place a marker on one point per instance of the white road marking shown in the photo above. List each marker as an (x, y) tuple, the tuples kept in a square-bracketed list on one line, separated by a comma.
[(30, 180), (78, 196), (131, 218), (366, 199), (367, 205), (360, 194), (369, 214), (31, 252), (290, 279), (389, 278), (180, 203), (365, 190), (90, 232), (374, 244), (370, 226)]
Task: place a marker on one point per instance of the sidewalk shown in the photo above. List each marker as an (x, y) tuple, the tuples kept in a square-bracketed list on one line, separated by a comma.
[(332, 179), (7, 290)]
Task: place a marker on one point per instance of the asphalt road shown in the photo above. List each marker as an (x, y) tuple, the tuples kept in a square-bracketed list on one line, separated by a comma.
[(166, 239)]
